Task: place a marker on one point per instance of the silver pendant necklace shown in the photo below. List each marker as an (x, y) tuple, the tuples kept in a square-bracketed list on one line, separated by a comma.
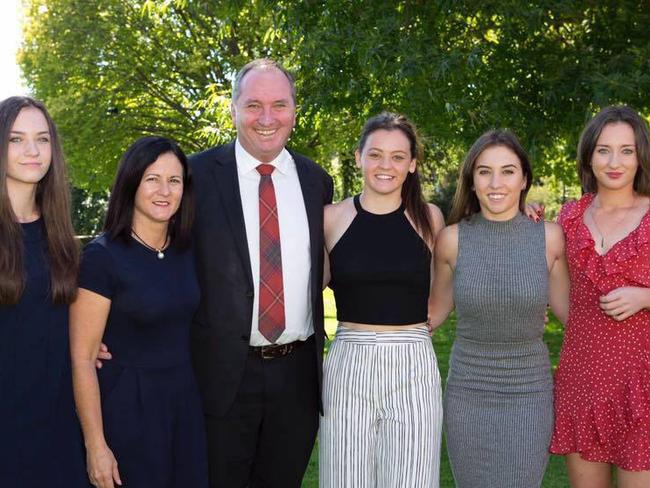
[(159, 251), (618, 222)]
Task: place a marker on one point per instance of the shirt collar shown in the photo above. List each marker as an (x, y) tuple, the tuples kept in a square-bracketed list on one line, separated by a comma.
[(247, 163)]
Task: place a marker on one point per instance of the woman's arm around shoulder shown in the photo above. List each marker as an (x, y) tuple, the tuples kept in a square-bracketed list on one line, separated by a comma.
[(558, 293), (441, 297)]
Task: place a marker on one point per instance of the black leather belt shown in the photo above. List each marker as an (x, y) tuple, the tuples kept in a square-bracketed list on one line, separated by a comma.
[(274, 351)]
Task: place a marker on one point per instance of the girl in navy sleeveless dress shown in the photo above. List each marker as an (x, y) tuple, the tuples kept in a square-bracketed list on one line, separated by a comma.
[(40, 441), (140, 413)]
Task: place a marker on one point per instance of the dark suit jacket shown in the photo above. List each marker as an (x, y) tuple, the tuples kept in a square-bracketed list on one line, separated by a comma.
[(221, 328)]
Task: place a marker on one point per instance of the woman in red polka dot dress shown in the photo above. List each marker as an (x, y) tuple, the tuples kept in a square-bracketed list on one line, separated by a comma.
[(602, 384)]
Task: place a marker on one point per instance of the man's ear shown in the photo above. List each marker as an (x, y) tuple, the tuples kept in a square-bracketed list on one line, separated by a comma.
[(233, 113), (295, 116)]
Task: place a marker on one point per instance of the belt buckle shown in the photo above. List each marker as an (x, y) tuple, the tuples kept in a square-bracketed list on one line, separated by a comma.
[(266, 352), (275, 351)]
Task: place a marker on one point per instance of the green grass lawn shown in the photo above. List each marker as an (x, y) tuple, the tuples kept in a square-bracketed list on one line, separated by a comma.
[(442, 340)]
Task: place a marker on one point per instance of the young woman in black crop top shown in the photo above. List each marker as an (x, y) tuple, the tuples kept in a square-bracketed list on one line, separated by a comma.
[(381, 393)]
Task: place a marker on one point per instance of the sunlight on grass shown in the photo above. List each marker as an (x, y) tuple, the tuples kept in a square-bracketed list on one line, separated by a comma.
[(330, 313)]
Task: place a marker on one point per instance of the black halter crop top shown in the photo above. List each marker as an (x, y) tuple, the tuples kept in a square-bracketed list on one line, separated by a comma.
[(380, 270)]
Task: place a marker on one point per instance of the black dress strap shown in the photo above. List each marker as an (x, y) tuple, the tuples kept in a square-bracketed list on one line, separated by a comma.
[(357, 204)]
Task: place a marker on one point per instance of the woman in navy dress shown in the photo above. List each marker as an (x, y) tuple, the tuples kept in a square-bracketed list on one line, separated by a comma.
[(140, 413), (40, 441)]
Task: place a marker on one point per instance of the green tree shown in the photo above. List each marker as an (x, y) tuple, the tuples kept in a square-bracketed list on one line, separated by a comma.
[(459, 68), (111, 70), (88, 210)]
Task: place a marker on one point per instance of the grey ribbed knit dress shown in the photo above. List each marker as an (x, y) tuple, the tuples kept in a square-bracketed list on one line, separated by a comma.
[(498, 403)]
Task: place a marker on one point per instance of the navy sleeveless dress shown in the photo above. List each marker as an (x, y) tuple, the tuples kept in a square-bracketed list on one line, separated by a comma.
[(40, 439), (153, 421)]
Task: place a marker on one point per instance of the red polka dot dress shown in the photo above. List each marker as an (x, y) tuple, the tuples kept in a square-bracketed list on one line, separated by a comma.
[(602, 384)]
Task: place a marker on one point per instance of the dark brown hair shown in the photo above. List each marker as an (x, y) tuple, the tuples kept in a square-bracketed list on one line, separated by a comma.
[(137, 158), (53, 202), (411, 188), (465, 202), (589, 139)]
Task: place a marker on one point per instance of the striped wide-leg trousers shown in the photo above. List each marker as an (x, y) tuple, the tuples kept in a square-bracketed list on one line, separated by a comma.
[(382, 405)]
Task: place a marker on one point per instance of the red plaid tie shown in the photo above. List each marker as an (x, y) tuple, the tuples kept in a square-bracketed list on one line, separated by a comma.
[(271, 312)]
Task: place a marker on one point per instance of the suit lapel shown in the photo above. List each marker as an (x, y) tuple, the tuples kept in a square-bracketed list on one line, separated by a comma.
[(227, 181), (313, 206)]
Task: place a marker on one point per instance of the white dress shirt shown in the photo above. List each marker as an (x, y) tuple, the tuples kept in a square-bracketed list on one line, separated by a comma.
[(294, 242)]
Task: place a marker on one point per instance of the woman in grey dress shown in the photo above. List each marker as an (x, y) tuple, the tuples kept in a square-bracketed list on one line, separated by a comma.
[(499, 269)]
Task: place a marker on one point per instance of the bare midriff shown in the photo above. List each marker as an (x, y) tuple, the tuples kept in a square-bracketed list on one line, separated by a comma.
[(380, 328)]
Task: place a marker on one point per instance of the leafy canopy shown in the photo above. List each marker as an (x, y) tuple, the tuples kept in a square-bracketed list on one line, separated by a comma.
[(112, 70)]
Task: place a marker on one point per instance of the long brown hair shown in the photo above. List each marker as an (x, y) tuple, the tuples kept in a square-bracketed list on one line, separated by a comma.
[(589, 139), (465, 202), (412, 196), (53, 202)]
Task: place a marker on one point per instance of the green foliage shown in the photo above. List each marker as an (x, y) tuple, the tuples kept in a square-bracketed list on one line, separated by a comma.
[(88, 211), (460, 68), (553, 193), (112, 70)]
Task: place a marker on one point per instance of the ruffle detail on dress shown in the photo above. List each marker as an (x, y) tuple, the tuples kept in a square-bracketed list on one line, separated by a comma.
[(612, 430), (638, 386), (616, 268)]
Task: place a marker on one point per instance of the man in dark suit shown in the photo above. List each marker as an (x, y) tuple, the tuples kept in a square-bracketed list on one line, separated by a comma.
[(257, 338)]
